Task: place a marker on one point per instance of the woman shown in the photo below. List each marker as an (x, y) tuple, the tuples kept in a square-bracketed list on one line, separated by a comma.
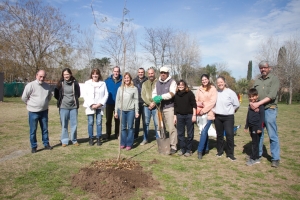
[(206, 98), (127, 103), (67, 92), (184, 116), (226, 105), (95, 98)]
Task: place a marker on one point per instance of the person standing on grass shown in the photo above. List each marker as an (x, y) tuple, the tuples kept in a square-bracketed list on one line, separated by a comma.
[(113, 82), (226, 105), (254, 122), (36, 96), (127, 103), (163, 95), (268, 86), (138, 82), (67, 93), (95, 97), (206, 98), (149, 106), (184, 116)]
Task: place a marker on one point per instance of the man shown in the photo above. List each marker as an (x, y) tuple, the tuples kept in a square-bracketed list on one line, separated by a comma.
[(138, 82), (267, 86), (36, 96), (149, 106), (163, 94), (113, 82)]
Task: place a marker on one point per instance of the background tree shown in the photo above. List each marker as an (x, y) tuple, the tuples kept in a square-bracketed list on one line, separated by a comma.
[(34, 34), (249, 72)]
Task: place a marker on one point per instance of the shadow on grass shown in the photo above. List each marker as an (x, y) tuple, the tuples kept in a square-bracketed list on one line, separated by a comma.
[(247, 149)]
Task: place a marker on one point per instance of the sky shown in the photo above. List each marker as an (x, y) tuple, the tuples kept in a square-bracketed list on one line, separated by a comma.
[(228, 31)]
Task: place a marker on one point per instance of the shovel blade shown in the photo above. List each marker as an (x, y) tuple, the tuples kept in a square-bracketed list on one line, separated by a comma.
[(163, 145)]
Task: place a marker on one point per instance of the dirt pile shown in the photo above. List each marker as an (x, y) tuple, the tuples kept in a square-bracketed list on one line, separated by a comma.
[(112, 179)]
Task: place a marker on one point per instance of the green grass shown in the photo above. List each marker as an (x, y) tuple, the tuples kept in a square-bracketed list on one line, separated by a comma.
[(47, 174)]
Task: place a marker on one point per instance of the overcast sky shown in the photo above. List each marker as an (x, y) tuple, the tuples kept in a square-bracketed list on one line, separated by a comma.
[(228, 31)]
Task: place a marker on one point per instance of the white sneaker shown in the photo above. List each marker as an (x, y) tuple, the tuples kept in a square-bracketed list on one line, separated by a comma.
[(144, 142)]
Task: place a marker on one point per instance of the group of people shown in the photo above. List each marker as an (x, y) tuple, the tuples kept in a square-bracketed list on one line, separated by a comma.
[(128, 99)]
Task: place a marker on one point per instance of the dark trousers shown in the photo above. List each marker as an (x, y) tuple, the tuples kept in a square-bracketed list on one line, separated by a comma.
[(255, 142), (109, 112), (225, 122), (138, 120), (182, 122)]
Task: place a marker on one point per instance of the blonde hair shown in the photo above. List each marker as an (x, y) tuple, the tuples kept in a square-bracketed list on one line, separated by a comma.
[(131, 82)]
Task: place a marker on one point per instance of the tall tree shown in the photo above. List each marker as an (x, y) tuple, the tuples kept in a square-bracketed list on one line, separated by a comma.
[(249, 72), (34, 34)]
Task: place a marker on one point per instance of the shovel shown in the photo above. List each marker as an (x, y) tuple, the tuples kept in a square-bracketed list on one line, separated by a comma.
[(163, 143)]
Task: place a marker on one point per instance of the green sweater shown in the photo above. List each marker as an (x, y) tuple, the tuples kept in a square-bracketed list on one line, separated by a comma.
[(268, 87), (147, 89), (130, 99)]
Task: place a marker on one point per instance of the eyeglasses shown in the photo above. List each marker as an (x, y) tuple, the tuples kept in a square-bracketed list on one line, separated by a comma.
[(163, 72)]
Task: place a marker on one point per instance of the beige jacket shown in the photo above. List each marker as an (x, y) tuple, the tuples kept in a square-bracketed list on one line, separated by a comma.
[(208, 98)]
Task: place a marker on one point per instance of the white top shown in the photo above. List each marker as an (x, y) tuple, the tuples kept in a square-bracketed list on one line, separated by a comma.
[(227, 102)]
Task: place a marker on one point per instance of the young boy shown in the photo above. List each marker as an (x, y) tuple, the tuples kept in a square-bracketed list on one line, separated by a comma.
[(254, 121)]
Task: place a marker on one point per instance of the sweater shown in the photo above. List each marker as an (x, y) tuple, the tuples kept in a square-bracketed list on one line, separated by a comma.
[(95, 93), (184, 102), (255, 118), (36, 96), (208, 98), (139, 84), (147, 89), (59, 93), (130, 99), (227, 102), (112, 88)]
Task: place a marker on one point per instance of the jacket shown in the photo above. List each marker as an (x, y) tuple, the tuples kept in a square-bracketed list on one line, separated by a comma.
[(112, 89), (139, 83), (208, 98), (147, 89), (59, 93)]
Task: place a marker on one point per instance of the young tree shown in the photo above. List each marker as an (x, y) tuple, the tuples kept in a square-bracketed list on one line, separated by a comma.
[(249, 72)]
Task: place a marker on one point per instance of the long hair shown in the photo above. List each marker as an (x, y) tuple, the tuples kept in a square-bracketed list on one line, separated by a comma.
[(209, 83), (186, 88), (131, 82), (96, 71), (58, 85)]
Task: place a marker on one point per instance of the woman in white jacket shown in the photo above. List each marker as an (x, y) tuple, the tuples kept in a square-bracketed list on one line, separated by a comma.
[(95, 97)]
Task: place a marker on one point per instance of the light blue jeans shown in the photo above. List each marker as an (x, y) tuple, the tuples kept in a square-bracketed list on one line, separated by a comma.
[(34, 118), (127, 136), (147, 116), (203, 143), (271, 125), (65, 116), (98, 123)]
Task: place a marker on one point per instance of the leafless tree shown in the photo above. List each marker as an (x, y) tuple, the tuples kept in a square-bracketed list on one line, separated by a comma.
[(34, 34)]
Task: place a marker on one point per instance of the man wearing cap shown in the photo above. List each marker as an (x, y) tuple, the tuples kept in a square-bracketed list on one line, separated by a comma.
[(268, 86), (163, 94)]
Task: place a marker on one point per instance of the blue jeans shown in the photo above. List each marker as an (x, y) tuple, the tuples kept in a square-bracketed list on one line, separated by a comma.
[(137, 121), (203, 143), (147, 116), (98, 123), (42, 118), (271, 125), (65, 116), (127, 136), (182, 122)]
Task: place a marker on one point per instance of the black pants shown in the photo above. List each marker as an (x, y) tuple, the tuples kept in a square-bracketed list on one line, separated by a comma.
[(255, 142), (138, 120), (225, 122), (182, 122), (109, 112)]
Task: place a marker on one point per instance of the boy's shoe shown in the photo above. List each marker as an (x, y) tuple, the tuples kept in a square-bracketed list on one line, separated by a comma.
[(251, 162), (180, 153), (172, 151), (232, 158), (187, 154), (144, 142), (275, 163), (219, 154)]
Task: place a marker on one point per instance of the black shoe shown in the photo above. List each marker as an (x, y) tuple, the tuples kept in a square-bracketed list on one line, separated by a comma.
[(206, 152), (99, 143), (232, 158), (116, 136), (173, 151), (200, 155), (91, 142), (275, 163), (108, 137), (219, 154), (48, 147), (33, 150)]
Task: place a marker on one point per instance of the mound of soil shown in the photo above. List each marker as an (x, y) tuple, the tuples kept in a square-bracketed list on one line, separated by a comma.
[(112, 179)]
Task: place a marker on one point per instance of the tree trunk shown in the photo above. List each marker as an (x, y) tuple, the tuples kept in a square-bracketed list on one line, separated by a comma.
[(291, 92)]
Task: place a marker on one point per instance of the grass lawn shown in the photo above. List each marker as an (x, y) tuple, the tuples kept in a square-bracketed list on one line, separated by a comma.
[(47, 174)]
